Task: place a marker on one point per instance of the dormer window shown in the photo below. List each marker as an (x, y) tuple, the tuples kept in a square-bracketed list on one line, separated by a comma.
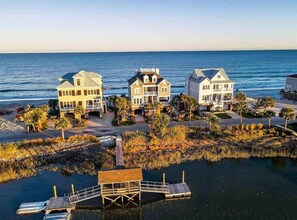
[(78, 82), (154, 79), (145, 79)]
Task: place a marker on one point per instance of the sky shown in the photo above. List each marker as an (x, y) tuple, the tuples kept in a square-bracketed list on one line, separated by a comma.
[(146, 25)]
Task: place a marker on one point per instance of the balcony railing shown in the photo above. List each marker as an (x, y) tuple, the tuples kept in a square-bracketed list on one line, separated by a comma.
[(88, 107), (66, 108), (150, 92)]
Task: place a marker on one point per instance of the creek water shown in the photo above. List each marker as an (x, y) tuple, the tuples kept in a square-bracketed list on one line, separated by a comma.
[(229, 189)]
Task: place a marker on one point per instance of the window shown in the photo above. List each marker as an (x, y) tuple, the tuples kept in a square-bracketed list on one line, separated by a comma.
[(205, 97), (226, 86), (164, 89), (145, 78), (219, 76), (78, 82), (137, 91), (206, 87), (78, 92), (216, 87), (154, 79)]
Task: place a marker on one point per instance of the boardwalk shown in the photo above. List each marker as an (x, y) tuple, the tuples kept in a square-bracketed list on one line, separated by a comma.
[(119, 152)]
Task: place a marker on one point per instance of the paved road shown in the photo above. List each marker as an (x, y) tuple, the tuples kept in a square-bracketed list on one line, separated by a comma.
[(111, 130)]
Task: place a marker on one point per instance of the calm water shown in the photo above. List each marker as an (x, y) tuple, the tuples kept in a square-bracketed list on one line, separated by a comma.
[(27, 76), (231, 189)]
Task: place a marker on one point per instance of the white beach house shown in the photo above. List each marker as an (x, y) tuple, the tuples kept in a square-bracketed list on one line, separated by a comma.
[(212, 88), (291, 83)]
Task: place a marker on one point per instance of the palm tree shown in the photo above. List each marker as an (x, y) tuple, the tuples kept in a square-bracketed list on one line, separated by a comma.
[(63, 124), (158, 124), (78, 112), (288, 114), (295, 94), (269, 114), (190, 104), (212, 121), (240, 105), (157, 106), (282, 93), (123, 107)]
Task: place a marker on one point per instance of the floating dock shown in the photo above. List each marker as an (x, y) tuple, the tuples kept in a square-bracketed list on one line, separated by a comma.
[(32, 207), (57, 204), (178, 190), (57, 216)]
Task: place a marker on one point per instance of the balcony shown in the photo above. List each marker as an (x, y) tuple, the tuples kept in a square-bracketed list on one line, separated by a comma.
[(93, 107), (150, 92), (67, 108)]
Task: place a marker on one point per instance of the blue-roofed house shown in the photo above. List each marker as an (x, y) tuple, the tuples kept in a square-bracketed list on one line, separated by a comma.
[(212, 88)]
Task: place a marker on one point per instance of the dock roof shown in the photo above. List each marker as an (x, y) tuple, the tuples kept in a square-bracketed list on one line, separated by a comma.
[(119, 175)]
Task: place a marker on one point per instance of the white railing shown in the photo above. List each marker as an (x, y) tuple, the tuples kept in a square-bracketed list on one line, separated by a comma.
[(154, 187), (93, 107), (67, 108), (150, 93)]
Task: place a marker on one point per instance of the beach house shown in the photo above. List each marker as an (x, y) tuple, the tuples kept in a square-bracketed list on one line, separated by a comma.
[(291, 82), (212, 88), (146, 87), (81, 89)]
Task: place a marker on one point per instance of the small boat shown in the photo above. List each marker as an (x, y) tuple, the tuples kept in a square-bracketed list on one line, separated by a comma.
[(57, 216), (31, 207)]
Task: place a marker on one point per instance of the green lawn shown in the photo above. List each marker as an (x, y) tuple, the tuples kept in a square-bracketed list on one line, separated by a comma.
[(248, 115), (293, 126), (223, 115)]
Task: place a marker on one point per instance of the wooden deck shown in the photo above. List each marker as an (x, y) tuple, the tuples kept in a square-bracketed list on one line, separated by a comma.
[(59, 204), (178, 190), (119, 152)]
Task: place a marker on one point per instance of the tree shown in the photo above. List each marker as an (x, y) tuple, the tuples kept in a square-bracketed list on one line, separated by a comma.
[(36, 118), (212, 121), (240, 105), (63, 124), (295, 96), (191, 105), (282, 93), (269, 114), (184, 103), (263, 104), (53, 105), (157, 106), (158, 124), (78, 112), (288, 114), (123, 107)]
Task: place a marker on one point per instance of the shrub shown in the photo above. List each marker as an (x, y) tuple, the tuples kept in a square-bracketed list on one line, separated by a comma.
[(259, 126), (247, 127), (253, 127)]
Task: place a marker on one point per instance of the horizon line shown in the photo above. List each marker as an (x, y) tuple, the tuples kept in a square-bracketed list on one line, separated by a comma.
[(145, 51)]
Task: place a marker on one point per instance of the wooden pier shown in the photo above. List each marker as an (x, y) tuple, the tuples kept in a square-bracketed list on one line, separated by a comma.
[(120, 186)]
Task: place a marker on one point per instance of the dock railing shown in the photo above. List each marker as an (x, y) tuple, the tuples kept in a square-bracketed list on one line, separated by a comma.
[(155, 187), (84, 194)]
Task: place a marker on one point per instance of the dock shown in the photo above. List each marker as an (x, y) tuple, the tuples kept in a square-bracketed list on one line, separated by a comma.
[(178, 190), (120, 186), (59, 204)]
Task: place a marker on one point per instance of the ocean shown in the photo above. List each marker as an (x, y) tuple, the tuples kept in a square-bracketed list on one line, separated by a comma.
[(35, 76)]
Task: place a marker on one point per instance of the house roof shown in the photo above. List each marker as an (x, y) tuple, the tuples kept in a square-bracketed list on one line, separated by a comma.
[(120, 175), (293, 76), (66, 81), (140, 76), (199, 75)]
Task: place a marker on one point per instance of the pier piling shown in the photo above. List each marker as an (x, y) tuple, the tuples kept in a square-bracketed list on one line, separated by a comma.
[(55, 191)]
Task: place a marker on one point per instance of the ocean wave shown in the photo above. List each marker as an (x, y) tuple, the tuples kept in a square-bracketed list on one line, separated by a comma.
[(25, 90), (26, 99), (259, 89)]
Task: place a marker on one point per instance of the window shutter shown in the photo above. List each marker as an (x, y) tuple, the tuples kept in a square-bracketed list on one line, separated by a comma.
[(98, 92), (85, 92), (73, 93), (60, 93)]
